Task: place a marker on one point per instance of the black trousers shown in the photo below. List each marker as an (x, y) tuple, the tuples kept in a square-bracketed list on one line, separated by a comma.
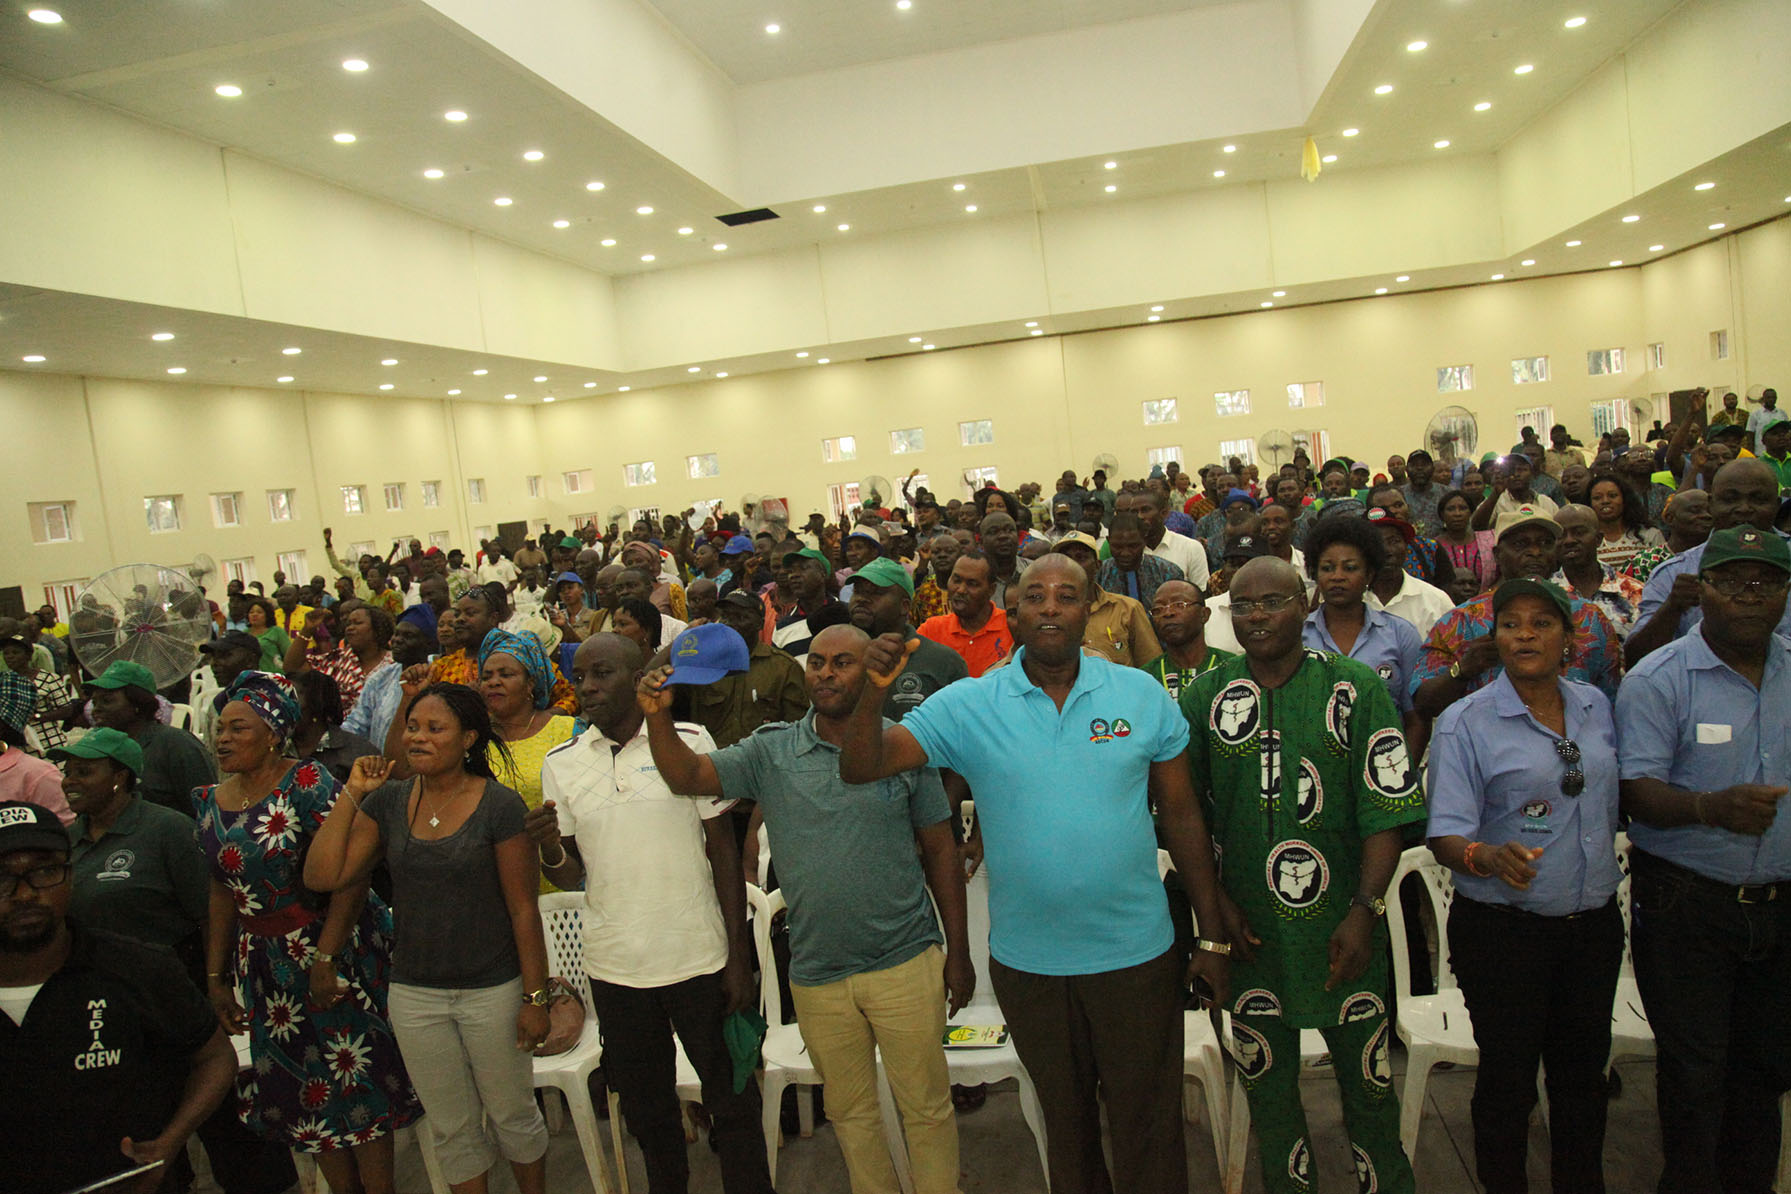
[(1715, 977), (1539, 989), (640, 1062)]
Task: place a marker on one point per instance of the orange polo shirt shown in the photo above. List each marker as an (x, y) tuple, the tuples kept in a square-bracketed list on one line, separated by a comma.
[(981, 650)]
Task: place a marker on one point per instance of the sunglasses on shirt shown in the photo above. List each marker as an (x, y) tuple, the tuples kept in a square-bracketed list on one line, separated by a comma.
[(1573, 780)]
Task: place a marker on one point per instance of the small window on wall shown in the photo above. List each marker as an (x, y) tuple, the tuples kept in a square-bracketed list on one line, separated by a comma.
[(639, 473), (163, 513), (480, 534), (1244, 449), (1657, 356), (976, 478), (843, 447), (1609, 416), (1541, 418), (61, 595), (280, 505), (438, 539), (534, 483), (906, 440), (1719, 346), (1452, 379), (1158, 411), (1601, 361), (359, 548), (915, 484), (1160, 457), (241, 569), (1316, 442), (294, 565), (394, 495), (52, 522), (227, 509), (976, 433), (1232, 402), (650, 513), (1305, 393), (842, 499), (475, 494), (1527, 371), (432, 494), (703, 464), (577, 480), (354, 499)]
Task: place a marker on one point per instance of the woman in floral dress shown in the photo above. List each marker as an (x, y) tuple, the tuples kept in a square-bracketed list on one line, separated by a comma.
[(312, 971)]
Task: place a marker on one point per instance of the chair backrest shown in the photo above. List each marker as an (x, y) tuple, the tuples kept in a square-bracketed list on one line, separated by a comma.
[(761, 907), (976, 923), (1439, 885), (562, 915), (1629, 963), (1166, 864), (967, 817), (181, 717)]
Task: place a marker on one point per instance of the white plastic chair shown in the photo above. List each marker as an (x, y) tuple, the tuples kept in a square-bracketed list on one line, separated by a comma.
[(1631, 1035), (1315, 1058), (569, 1072), (1203, 1059), (785, 1055), (181, 717)]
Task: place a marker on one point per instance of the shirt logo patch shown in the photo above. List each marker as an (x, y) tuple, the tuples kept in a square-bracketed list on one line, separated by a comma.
[(97, 1056), (1311, 796), (1298, 874), (1257, 1001), (1384, 671), (1270, 754), (1536, 810), (1121, 727), (1251, 1049), (1097, 730), (1363, 1005), (1337, 711), (1376, 1067), (1236, 712), (1367, 1182), (1299, 1163), (118, 865), (1389, 767)]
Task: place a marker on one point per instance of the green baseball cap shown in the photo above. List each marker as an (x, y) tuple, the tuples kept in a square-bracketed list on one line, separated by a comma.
[(1745, 543), (884, 571), (569, 541), (104, 743), (122, 673), (1550, 592)]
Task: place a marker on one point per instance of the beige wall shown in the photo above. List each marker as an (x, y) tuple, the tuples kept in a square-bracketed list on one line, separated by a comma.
[(1055, 401)]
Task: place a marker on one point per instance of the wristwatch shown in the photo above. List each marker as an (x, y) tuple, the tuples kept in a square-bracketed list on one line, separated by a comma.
[(539, 998), (1376, 906)]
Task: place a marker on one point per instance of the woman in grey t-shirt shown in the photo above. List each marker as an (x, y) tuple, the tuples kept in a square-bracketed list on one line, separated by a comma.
[(469, 971)]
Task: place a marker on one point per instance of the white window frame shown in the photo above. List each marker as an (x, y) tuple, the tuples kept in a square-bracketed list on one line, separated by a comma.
[(282, 505), (577, 480), (1231, 403), (1455, 379), (295, 565), (1302, 394), (432, 494), (61, 595), (354, 499), (481, 533), (439, 539), (842, 498), (533, 481), (839, 448), (1604, 362), (170, 513), (362, 547), (703, 465), (1539, 417), (650, 513), (241, 568), (475, 494), (906, 441), (1719, 344), (1245, 448), (1316, 441), (394, 495), (976, 433), (1657, 355), (227, 509), (1160, 412), (1529, 371), (639, 473), (1161, 456), (975, 478), (42, 514)]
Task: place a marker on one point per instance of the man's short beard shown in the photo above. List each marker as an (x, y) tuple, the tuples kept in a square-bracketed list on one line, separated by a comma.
[(12, 943)]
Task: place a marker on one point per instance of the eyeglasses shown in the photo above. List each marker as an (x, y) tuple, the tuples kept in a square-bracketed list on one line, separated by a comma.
[(1734, 586), (1573, 780), (51, 874), (1268, 605), (1171, 607)]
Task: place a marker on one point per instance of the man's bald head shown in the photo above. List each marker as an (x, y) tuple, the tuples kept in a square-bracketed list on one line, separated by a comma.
[(1744, 493), (835, 669), (605, 669), (621, 651), (1269, 575), (1053, 566)]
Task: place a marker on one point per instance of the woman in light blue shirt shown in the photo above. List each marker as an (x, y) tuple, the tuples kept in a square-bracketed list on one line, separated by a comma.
[(1343, 554), (1523, 808)]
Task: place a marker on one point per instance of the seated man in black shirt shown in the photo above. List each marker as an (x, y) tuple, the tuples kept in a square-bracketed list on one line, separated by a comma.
[(113, 1056)]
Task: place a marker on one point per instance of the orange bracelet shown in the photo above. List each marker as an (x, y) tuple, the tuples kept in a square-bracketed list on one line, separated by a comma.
[(1467, 860)]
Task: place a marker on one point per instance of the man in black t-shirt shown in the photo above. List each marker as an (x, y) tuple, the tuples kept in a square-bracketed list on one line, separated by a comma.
[(112, 1056)]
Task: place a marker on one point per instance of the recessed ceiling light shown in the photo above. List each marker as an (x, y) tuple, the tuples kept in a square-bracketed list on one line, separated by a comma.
[(1031, 323), (1524, 69), (1265, 303), (917, 339), (1384, 89), (957, 186), (503, 201), (1656, 248), (562, 223), (923, 348), (453, 393), (1631, 218), (541, 378), (1278, 294), (161, 335), (291, 352), (590, 385), (1351, 132), (648, 257), (1403, 278), (45, 16), (645, 209), (1380, 290), (1109, 165), (284, 380), (1619, 261), (1440, 144), (1110, 188), (593, 185), (904, 5), (804, 354), (32, 359), (685, 231), (608, 242), (971, 208), (433, 172), (1158, 307), (1718, 226), (719, 247), (774, 28), (480, 372), (1704, 186), (1036, 332), (386, 385), (228, 90), (533, 155), (1528, 261), (547, 397), (824, 361), (177, 369), (455, 115), (845, 228), (354, 65), (1218, 174), (389, 362), (1498, 277), (1574, 22), (344, 138), (1414, 47), (1574, 244), (1228, 149), (1483, 106), (509, 397), (694, 369), (721, 373), (623, 389), (1329, 158)]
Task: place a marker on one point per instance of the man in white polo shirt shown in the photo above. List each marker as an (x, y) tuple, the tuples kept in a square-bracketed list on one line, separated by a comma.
[(665, 936)]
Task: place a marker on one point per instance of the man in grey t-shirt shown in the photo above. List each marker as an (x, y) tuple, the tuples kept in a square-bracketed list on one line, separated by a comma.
[(864, 945)]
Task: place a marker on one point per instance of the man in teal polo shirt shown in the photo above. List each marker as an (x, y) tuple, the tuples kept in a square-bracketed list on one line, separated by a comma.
[(1066, 755)]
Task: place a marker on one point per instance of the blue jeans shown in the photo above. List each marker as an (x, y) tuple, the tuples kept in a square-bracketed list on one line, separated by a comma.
[(1715, 978)]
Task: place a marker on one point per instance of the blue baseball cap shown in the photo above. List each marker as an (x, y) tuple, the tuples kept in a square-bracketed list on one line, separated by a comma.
[(704, 654), (568, 578), (738, 545)]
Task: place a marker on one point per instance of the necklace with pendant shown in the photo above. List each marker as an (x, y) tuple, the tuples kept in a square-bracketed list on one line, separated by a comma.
[(435, 819)]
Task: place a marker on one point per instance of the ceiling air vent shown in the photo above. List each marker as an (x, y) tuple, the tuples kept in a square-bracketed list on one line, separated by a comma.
[(757, 214)]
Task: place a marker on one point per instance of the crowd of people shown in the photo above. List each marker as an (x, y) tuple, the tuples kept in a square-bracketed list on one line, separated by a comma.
[(1283, 676)]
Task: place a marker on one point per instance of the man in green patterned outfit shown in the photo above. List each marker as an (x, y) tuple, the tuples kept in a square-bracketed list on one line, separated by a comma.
[(1300, 757)]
